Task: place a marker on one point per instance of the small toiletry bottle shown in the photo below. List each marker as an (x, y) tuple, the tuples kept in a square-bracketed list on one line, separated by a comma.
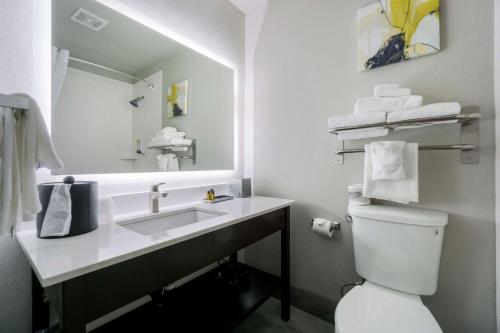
[(212, 193), (209, 195)]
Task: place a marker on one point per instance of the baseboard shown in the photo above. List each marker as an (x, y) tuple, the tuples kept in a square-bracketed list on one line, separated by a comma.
[(312, 303)]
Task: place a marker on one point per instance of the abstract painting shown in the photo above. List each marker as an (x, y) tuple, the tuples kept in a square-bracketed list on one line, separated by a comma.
[(177, 99), (391, 31)]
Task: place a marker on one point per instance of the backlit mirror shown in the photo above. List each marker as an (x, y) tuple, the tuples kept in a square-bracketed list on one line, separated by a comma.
[(127, 99)]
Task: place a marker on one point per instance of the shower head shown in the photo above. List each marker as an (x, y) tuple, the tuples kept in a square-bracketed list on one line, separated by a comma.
[(135, 101)]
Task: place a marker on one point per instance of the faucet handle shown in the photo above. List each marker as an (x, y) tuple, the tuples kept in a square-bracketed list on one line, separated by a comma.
[(156, 187)]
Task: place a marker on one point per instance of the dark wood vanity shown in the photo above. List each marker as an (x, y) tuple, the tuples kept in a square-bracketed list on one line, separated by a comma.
[(198, 306)]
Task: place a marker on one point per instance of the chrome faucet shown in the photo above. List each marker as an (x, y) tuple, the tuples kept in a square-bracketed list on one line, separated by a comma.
[(154, 196)]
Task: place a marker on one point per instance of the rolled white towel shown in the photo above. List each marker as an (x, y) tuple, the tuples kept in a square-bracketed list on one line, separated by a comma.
[(391, 92), (429, 110), (356, 119), (168, 130), (387, 104)]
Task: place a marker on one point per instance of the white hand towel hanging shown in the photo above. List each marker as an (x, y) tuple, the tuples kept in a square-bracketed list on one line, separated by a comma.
[(387, 160), (403, 190)]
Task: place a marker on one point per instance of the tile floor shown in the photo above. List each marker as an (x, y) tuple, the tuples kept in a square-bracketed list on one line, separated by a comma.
[(267, 320)]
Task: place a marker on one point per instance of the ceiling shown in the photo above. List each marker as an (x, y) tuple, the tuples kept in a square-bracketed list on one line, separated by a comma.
[(123, 44)]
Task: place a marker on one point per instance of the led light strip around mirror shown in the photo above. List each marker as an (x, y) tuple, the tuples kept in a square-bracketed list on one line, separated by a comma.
[(42, 92)]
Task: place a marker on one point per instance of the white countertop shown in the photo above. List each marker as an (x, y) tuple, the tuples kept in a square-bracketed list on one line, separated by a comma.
[(57, 260)]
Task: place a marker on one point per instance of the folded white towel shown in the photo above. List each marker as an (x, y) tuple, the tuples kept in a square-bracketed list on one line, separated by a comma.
[(391, 92), (429, 110), (169, 142), (168, 135), (366, 133), (180, 141), (387, 160), (356, 119), (402, 191), (168, 130), (387, 104)]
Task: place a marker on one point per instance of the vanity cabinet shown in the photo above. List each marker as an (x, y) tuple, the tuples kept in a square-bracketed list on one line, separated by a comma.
[(85, 298)]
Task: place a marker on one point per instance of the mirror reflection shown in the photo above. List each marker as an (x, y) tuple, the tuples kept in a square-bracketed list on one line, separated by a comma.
[(128, 99)]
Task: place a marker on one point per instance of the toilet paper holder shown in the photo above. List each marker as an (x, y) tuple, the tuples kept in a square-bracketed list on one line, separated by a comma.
[(335, 225)]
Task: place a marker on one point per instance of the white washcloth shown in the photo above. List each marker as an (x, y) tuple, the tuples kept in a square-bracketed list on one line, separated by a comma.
[(173, 163), (356, 119), (391, 92), (366, 133), (387, 160), (402, 191), (387, 104), (35, 148), (168, 162), (429, 110)]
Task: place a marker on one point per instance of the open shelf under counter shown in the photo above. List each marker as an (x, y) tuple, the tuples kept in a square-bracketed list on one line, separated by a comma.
[(204, 304)]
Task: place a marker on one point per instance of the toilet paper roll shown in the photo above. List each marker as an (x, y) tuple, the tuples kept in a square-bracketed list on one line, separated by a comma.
[(323, 227)]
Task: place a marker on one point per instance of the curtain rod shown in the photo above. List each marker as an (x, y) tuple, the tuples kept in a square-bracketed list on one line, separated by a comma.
[(149, 84)]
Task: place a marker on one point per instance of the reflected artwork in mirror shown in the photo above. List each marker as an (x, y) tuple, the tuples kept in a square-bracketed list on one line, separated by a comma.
[(128, 99)]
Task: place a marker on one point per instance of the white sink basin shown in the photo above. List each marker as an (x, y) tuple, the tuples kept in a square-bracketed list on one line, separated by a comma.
[(161, 222)]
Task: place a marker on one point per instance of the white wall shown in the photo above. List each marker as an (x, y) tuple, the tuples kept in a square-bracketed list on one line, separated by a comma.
[(25, 66), (497, 156), (16, 66), (306, 72), (92, 124)]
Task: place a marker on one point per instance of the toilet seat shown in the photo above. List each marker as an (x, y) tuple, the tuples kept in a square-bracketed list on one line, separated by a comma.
[(371, 308)]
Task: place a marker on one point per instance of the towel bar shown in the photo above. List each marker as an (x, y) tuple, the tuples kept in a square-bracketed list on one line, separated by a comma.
[(435, 147)]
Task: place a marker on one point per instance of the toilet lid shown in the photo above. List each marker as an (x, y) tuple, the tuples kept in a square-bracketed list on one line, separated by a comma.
[(371, 308)]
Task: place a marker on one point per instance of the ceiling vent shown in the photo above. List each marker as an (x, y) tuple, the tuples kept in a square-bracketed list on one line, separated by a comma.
[(88, 19)]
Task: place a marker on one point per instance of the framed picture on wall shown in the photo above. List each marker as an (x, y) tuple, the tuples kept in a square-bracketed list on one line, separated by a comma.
[(177, 99), (391, 31)]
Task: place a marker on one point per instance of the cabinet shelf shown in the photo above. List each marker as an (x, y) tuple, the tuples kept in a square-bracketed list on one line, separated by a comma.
[(201, 305)]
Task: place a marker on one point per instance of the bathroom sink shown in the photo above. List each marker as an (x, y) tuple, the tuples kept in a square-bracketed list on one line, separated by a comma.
[(162, 222)]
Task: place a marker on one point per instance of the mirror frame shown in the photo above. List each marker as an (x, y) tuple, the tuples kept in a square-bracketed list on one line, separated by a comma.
[(42, 91)]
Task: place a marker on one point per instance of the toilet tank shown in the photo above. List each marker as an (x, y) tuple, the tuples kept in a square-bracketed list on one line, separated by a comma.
[(398, 247)]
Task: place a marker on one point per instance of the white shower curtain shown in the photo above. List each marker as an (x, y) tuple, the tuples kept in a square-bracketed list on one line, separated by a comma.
[(59, 68)]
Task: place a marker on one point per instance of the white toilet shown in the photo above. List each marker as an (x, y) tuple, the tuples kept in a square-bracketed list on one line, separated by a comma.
[(397, 250)]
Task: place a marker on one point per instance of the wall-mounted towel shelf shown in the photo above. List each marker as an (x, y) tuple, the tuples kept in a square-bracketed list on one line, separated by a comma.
[(467, 116), (180, 155), (469, 133)]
